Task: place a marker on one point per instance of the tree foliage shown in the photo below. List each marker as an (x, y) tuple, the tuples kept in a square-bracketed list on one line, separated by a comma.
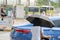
[(46, 2), (42, 2)]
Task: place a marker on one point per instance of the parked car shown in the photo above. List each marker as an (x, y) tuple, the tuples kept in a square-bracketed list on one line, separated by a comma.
[(21, 31)]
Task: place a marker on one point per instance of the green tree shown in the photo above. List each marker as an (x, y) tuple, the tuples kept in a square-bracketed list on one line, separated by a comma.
[(59, 2), (56, 4), (42, 2), (46, 2)]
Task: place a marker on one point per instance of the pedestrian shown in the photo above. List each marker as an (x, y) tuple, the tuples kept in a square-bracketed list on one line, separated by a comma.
[(43, 13), (3, 13)]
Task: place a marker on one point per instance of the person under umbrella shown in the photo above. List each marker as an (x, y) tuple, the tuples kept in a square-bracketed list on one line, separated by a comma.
[(41, 21)]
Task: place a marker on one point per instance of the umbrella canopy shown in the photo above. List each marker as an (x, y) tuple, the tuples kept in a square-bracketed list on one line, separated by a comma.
[(39, 20)]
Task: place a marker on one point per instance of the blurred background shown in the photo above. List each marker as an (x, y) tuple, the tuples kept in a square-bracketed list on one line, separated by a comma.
[(16, 9), (27, 3)]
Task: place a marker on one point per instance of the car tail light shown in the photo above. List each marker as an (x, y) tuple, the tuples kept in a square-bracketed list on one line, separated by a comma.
[(23, 31)]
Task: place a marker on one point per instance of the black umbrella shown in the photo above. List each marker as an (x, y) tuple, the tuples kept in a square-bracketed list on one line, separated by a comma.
[(39, 20)]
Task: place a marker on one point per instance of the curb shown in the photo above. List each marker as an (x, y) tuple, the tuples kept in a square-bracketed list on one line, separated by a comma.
[(6, 30), (1, 29)]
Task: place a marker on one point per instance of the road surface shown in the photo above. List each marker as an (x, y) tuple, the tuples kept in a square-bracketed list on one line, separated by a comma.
[(4, 35)]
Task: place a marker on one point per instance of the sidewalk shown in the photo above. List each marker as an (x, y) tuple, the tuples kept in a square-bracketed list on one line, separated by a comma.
[(20, 21), (6, 24)]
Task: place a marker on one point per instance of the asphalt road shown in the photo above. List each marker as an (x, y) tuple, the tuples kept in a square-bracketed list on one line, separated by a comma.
[(4, 35), (35, 34)]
